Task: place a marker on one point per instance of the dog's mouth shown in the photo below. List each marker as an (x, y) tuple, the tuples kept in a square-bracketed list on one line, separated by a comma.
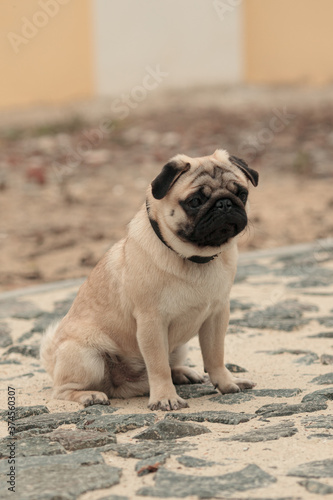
[(216, 229), (217, 237)]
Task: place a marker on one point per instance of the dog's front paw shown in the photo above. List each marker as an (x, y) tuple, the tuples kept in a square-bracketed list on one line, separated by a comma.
[(185, 375), (167, 404), (243, 383), (227, 384)]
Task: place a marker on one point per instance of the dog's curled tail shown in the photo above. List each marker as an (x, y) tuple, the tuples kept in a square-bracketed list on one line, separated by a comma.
[(47, 348)]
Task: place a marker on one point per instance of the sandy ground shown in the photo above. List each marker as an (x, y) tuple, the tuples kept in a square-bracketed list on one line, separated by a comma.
[(67, 190), (246, 347)]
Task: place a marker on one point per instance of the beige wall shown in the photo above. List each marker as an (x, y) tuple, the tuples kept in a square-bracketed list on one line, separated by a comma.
[(288, 41), (54, 51), (196, 42), (45, 51)]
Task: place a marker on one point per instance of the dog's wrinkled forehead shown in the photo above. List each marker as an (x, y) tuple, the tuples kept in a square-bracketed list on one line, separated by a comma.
[(211, 178), (212, 172)]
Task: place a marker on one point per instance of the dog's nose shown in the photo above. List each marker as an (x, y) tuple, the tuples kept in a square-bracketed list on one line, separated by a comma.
[(224, 205)]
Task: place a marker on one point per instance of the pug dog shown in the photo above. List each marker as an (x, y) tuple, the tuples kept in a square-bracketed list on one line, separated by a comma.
[(168, 280)]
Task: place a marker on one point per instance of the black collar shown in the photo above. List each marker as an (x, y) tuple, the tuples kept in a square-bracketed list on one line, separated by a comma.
[(195, 258)]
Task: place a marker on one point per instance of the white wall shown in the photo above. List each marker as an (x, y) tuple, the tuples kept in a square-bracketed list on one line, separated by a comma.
[(189, 39)]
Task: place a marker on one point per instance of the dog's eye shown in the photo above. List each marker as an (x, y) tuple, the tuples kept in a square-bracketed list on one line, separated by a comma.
[(242, 195), (195, 203)]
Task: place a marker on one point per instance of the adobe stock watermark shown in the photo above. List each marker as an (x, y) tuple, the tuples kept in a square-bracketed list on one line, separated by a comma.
[(257, 143), (225, 7), (31, 27), (123, 105), (120, 109), (11, 445)]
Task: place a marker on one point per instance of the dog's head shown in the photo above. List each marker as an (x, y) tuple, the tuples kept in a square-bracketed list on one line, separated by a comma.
[(199, 204)]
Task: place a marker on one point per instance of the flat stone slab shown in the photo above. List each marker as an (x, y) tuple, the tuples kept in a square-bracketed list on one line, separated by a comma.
[(217, 417), (268, 433), (166, 430), (47, 422), (238, 305), (282, 350), (286, 316), (317, 469), (195, 390), (24, 337), (80, 439), (118, 423), (316, 487), (171, 484), (25, 411), (24, 375), (74, 459), (41, 423), (5, 444), (313, 281), (246, 270), (96, 410), (235, 368), (320, 395), (318, 422), (321, 435), (5, 337), (326, 321), (239, 397), (326, 379), (48, 481), (326, 359), (308, 359), (322, 335), (10, 362), (146, 450), (31, 447), (31, 351), (283, 409), (232, 399), (19, 309), (188, 461), (275, 393), (46, 318), (151, 464)]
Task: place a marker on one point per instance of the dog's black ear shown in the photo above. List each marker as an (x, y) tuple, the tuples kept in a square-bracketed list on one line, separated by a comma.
[(169, 175), (251, 174)]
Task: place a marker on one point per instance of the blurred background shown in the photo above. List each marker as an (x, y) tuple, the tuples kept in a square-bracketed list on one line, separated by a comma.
[(96, 95)]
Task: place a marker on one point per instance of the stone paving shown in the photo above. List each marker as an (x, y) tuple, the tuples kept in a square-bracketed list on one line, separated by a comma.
[(272, 442)]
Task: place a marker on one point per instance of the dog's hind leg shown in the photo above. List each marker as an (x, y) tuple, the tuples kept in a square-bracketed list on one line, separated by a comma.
[(79, 374), (183, 374)]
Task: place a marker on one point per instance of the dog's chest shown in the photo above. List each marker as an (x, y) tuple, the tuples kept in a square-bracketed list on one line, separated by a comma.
[(191, 304), (187, 325), (202, 293)]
